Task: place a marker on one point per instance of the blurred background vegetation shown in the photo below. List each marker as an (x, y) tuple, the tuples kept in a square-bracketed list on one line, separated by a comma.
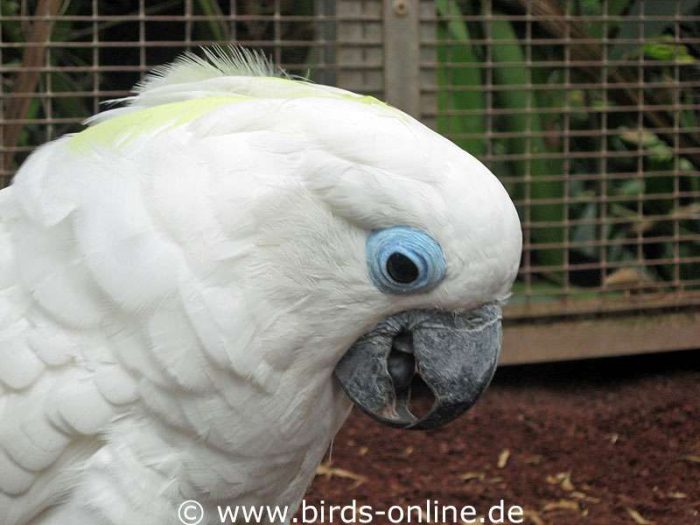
[(641, 111), (591, 121), (72, 34)]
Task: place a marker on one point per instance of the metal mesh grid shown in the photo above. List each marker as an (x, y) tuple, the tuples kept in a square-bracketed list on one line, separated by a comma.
[(588, 111), (61, 59)]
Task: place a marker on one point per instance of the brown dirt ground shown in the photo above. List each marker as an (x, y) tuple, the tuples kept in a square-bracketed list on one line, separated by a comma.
[(600, 442)]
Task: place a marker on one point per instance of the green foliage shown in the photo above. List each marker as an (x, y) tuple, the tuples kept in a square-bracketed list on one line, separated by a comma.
[(637, 200), (67, 110), (665, 49), (469, 127), (510, 71)]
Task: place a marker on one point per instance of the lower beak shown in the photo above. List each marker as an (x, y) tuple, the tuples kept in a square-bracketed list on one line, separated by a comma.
[(455, 355)]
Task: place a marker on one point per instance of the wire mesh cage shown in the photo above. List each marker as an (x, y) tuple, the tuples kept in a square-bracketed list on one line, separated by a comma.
[(61, 59), (587, 110)]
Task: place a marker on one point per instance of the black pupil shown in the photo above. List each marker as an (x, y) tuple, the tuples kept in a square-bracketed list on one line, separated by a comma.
[(401, 268)]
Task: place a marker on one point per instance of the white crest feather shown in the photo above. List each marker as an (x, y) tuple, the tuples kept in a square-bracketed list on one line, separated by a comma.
[(221, 71), (218, 61)]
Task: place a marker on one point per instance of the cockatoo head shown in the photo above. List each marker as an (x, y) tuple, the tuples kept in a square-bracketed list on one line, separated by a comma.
[(366, 248), (420, 244), (388, 248)]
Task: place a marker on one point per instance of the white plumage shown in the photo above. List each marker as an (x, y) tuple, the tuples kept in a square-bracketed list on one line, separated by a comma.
[(178, 281)]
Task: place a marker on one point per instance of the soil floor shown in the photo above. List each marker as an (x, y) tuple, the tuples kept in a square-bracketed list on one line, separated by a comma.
[(614, 441)]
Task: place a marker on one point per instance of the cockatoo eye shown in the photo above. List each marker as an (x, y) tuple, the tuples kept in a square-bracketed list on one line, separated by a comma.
[(401, 268), (404, 260)]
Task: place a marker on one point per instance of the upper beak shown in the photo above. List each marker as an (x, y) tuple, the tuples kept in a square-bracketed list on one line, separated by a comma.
[(455, 355)]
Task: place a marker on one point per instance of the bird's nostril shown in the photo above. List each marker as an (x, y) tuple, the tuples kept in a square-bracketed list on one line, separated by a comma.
[(402, 366)]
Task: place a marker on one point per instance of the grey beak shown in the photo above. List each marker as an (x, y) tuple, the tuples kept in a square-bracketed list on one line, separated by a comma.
[(455, 355)]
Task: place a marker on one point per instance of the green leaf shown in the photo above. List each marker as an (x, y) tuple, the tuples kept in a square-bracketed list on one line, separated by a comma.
[(510, 71), (653, 26), (666, 49), (216, 23), (459, 87)]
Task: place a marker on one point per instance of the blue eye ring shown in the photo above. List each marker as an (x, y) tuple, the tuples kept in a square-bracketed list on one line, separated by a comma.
[(404, 260)]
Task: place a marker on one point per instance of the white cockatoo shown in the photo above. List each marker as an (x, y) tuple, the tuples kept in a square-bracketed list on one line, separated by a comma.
[(195, 288)]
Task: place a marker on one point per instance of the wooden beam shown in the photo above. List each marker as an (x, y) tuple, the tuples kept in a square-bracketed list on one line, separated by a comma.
[(359, 66), (615, 335), (402, 55)]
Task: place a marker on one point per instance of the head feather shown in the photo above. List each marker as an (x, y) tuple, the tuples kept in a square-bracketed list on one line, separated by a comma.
[(218, 61), (221, 71)]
